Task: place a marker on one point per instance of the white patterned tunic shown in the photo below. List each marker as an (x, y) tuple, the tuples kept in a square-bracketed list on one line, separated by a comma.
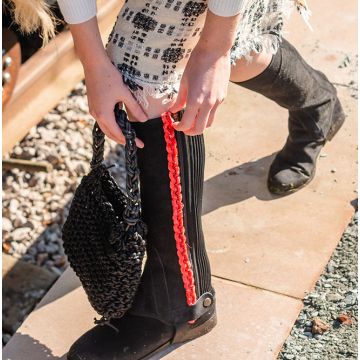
[(152, 40)]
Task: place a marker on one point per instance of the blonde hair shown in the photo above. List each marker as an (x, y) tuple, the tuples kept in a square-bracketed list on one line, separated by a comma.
[(32, 15)]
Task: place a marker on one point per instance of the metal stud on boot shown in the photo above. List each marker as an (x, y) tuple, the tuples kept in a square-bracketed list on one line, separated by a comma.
[(175, 301), (315, 116)]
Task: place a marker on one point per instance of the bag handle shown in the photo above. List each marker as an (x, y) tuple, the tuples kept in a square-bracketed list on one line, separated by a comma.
[(132, 210)]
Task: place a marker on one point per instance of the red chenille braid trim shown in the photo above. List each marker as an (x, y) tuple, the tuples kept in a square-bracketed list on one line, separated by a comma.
[(177, 206)]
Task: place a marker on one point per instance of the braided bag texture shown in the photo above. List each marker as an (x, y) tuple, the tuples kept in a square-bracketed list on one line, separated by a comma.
[(104, 236)]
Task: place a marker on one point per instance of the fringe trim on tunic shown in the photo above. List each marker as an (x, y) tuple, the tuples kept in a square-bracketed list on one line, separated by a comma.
[(260, 28), (142, 90)]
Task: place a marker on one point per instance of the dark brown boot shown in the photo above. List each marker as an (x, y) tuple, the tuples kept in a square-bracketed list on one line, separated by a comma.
[(315, 116)]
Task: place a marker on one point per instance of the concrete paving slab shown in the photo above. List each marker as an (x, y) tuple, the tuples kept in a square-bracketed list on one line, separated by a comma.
[(252, 324), (277, 243), (282, 244), (332, 46), (57, 321)]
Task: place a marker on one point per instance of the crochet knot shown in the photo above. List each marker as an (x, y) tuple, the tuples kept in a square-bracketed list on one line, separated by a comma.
[(105, 321)]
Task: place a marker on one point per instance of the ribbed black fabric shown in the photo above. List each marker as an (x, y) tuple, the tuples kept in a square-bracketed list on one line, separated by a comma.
[(161, 292), (192, 162)]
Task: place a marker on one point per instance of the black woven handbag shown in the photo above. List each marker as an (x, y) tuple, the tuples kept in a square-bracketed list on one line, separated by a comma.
[(104, 236)]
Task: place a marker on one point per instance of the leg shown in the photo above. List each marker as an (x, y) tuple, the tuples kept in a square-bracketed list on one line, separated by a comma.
[(155, 108), (315, 115), (245, 70), (175, 301)]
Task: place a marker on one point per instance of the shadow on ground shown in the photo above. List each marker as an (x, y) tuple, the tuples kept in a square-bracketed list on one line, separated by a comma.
[(238, 184)]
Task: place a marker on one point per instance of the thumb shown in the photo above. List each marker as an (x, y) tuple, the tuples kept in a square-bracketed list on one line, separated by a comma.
[(181, 99)]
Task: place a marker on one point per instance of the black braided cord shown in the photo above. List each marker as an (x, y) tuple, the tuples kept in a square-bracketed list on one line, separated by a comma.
[(103, 235)]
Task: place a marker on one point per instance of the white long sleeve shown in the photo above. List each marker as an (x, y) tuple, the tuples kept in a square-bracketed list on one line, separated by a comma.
[(225, 7), (77, 11)]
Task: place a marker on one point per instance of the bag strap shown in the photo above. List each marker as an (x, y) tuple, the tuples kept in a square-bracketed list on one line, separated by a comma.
[(132, 210)]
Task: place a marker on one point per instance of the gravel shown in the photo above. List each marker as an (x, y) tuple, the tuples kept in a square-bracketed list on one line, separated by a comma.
[(327, 326), (35, 204)]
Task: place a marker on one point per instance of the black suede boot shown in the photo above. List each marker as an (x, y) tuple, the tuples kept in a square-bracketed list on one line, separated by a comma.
[(173, 303), (315, 116)]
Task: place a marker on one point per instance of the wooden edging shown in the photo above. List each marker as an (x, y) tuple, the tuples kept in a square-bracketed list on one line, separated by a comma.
[(47, 77)]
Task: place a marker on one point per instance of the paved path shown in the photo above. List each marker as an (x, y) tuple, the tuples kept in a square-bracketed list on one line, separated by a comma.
[(266, 252)]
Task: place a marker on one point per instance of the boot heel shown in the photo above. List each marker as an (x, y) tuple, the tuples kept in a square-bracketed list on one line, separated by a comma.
[(338, 119), (186, 332)]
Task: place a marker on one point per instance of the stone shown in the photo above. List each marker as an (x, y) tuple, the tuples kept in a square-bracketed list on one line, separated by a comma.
[(59, 260), (52, 236), (350, 299), (289, 356), (20, 220), (6, 225), (51, 248), (319, 326), (41, 258), (334, 297), (53, 159), (14, 205), (20, 234)]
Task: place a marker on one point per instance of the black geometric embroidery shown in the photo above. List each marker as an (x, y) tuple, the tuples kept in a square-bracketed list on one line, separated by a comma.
[(144, 22), (172, 55), (128, 72), (193, 8)]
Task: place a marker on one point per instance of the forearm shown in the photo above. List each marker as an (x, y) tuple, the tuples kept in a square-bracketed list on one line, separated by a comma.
[(216, 41), (88, 43)]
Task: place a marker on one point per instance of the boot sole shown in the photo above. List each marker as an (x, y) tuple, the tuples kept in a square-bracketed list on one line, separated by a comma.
[(183, 338), (338, 121), (290, 191)]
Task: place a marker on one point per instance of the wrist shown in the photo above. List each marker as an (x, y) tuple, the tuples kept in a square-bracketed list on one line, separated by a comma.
[(208, 46), (215, 41), (91, 56), (96, 60)]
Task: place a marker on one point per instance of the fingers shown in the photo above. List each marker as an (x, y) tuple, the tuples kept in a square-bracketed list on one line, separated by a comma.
[(118, 139), (181, 99), (139, 143), (200, 122), (108, 125), (188, 118), (108, 133), (212, 115), (197, 118)]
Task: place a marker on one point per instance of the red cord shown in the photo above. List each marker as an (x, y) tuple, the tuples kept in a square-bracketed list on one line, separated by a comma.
[(177, 206)]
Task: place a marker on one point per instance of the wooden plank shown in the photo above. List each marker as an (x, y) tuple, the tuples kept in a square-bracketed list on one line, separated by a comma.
[(47, 77), (27, 165)]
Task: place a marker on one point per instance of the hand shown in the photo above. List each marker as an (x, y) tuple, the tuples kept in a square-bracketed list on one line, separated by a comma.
[(204, 84), (203, 88), (105, 88), (103, 81)]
